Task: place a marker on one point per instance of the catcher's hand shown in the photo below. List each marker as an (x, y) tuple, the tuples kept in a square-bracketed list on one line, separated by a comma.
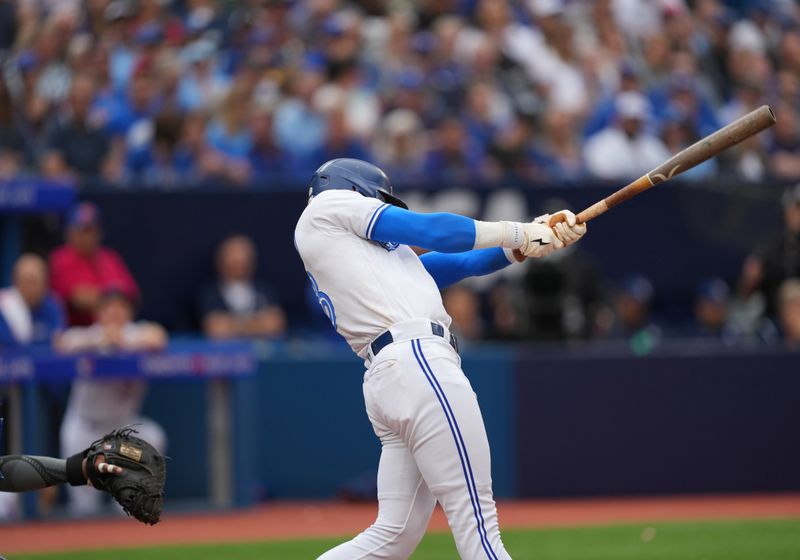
[(131, 470)]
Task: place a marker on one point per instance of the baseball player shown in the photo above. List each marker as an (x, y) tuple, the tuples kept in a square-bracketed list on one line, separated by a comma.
[(354, 238)]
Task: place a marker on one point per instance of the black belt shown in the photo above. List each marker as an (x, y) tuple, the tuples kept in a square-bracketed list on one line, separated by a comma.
[(386, 339)]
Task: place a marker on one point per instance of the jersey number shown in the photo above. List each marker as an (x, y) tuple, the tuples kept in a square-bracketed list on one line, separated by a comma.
[(324, 301)]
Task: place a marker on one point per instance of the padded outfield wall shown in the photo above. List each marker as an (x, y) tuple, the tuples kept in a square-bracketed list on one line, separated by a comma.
[(595, 423)]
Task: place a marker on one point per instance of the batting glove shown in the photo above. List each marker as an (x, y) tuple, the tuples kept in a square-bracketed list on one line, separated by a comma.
[(569, 231), (540, 239)]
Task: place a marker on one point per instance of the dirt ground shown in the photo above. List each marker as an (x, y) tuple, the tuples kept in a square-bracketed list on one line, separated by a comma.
[(282, 520)]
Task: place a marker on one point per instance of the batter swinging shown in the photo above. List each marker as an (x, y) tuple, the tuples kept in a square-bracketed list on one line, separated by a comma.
[(354, 239)]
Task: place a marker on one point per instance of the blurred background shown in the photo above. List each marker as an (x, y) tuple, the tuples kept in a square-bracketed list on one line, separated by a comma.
[(154, 157)]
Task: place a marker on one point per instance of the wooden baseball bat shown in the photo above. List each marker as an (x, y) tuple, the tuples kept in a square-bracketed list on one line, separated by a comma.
[(739, 130)]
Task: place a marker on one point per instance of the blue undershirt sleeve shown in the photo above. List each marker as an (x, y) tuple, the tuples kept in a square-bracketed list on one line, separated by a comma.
[(442, 232), (447, 269)]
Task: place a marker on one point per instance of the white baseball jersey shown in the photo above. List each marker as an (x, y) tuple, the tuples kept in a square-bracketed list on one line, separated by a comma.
[(363, 287)]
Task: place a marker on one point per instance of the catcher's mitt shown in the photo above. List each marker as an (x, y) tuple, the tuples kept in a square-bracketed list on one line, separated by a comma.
[(139, 489)]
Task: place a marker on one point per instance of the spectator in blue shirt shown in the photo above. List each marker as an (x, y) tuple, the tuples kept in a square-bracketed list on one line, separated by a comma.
[(229, 138), (296, 112), (201, 85), (682, 95), (131, 115), (266, 158), (455, 156), (138, 103), (604, 111), (229, 133), (29, 313), (339, 141)]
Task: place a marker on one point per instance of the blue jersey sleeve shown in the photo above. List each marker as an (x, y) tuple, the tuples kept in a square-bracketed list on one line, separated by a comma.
[(447, 269), (442, 232)]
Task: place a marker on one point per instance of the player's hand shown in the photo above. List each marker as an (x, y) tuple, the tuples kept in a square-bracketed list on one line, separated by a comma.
[(540, 239), (101, 467), (569, 231)]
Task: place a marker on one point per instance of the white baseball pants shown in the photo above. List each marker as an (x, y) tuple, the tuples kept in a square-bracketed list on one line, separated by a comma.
[(434, 448)]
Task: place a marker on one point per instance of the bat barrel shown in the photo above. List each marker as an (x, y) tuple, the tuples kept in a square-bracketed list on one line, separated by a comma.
[(726, 137)]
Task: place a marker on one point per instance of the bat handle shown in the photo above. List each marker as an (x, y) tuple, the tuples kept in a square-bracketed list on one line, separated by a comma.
[(561, 217), (581, 217)]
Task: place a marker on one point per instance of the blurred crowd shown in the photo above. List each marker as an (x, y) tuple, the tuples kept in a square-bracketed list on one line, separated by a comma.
[(565, 298), (62, 301), (170, 93)]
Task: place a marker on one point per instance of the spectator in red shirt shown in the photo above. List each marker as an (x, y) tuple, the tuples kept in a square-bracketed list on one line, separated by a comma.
[(82, 269)]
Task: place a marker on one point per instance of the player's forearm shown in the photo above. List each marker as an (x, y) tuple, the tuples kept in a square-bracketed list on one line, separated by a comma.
[(21, 473), (447, 269)]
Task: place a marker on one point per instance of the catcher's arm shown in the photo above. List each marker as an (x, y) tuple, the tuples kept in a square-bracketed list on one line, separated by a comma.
[(23, 473)]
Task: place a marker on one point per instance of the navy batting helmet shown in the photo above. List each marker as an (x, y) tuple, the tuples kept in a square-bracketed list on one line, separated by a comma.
[(353, 175)]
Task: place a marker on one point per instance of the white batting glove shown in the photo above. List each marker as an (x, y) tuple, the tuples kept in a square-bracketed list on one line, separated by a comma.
[(533, 239), (569, 231), (540, 239)]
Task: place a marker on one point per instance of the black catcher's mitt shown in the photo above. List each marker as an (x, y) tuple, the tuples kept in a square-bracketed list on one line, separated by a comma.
[(139, 489)]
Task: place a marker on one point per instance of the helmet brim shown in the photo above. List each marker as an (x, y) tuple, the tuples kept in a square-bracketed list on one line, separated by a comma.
[(393, 200)]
